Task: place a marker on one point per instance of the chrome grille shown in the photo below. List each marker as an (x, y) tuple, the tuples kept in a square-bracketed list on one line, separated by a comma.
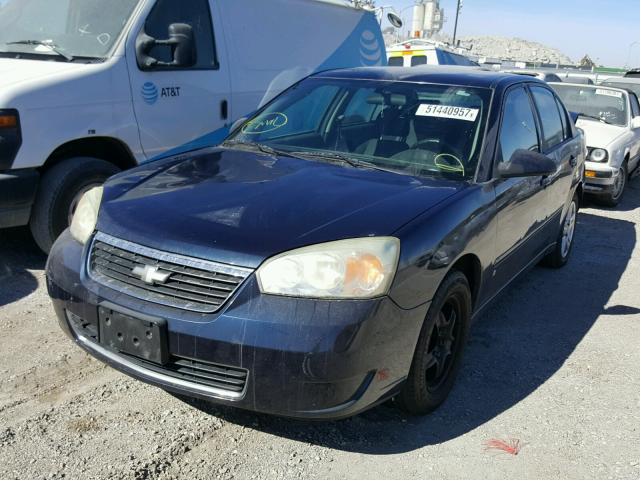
[(193, 284)]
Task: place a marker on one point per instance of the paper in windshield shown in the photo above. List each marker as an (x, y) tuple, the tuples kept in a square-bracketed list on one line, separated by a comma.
[(448, 111)]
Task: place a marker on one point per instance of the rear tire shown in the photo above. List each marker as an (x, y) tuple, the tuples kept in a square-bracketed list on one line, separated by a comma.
[(438, 354), (60, 189), (559, 257)]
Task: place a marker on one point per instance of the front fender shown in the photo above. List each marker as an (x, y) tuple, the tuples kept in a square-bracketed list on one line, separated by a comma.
[(463, 225)]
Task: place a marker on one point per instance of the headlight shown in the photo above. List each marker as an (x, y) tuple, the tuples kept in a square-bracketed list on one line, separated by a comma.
[(355, 268), (599, 155), (86, 215)]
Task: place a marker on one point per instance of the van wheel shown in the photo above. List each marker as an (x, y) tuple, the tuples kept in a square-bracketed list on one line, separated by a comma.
[(60, 190), (612, 198), (564, 243), (438, 354)]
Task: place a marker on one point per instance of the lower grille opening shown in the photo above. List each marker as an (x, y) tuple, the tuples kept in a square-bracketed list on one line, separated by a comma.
[(223, 377)]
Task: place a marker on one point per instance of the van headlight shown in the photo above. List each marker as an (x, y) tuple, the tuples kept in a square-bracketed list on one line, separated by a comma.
[(599, 155), (355, 269), (86, 215)]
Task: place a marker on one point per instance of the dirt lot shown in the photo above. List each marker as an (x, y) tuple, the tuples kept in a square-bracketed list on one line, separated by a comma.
[(554, 363)]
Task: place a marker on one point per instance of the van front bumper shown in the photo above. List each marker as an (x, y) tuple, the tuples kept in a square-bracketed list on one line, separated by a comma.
[(303, 358), (17, 193)]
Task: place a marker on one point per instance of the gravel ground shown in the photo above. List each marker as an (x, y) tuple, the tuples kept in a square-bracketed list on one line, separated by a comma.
[(553, 364)]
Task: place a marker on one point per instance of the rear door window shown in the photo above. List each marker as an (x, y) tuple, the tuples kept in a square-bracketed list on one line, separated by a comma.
[(518, 130), (396, 61), (552, 127)]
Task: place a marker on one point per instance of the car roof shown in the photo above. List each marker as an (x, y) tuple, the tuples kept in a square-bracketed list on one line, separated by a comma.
[(584, 85), (447, 75), (622, 80)]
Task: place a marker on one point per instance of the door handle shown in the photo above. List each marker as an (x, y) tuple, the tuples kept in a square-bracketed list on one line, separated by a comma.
[(573, 160), (224, 109)]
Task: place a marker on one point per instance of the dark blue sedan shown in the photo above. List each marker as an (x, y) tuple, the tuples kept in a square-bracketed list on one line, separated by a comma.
[(333, 251)]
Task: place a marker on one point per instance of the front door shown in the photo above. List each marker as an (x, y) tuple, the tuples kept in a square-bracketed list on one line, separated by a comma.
[(521, 202), (177, 105)]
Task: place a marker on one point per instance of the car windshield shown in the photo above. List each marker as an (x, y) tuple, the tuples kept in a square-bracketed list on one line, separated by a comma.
[(634, 87), (595, 102), (410, 128), (74, 28)]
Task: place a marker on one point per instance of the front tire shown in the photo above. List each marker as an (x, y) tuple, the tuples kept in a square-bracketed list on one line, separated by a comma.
[(438, 354), (60, 191), (612, 198), (559, 257)]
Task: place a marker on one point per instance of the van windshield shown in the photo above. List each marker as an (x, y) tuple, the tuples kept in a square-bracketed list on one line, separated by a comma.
[(410, 128), (74, 28)]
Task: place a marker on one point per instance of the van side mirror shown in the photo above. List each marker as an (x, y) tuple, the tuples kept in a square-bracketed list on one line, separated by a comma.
[(635, 123), (181, 41), (525, 163)]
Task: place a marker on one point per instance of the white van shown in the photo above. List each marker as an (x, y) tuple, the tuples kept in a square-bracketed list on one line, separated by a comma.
[(90, 87), (416, 52)]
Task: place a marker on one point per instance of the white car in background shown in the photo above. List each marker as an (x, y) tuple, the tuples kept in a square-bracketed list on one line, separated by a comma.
[(610, 119)]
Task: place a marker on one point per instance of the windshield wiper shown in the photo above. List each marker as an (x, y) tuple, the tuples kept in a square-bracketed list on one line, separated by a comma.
[(593, 117), (256, 146), (332, 156), (356, 163), (54, 48)]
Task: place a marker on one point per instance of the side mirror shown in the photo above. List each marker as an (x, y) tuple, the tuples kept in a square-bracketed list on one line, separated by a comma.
[(635, 123), (525, 163), (237, 124), (574, 116), (394, 20), (181, 41)]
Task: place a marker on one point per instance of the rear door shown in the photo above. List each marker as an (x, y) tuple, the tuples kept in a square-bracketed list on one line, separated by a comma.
[(557, 144), (520, 202), (175, 105)]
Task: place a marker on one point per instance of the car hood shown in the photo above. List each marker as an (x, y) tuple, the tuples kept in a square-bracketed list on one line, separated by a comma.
[(240, 208), (18, 71), (598, 134)]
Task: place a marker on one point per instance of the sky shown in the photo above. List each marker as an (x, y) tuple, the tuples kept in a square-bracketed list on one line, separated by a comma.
[(603, 29)]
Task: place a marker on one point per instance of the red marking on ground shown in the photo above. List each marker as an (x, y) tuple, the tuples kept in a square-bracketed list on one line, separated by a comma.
[(511, 446), (383, 375)]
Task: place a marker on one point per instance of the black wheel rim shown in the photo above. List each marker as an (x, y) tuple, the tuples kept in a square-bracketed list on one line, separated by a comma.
[(444, 342)]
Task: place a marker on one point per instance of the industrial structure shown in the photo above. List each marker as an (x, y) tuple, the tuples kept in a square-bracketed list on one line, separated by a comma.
[(428, 18)]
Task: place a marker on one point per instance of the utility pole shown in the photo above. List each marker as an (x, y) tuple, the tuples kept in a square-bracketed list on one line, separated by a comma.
[(455, 28)]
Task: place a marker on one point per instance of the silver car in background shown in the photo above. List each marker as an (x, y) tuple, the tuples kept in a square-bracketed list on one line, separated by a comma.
[(610, 119)]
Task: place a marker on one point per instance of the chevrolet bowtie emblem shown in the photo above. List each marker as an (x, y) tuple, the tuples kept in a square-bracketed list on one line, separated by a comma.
[(151, 275)]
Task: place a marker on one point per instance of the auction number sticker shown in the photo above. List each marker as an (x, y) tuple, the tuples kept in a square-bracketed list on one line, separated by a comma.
[(608, 93), (448, 111)]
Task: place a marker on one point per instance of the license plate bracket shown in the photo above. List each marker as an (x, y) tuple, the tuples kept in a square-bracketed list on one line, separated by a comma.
[(145, 338)]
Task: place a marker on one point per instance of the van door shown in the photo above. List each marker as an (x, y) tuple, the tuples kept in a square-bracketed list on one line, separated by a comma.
[(177, 105)]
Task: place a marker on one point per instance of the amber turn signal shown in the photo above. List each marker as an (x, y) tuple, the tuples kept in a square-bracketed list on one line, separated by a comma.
[(8, 121)]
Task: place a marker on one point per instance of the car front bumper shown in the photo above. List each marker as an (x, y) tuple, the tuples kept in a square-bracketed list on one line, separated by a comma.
[(304, 358), (602, 179), (17, 193)]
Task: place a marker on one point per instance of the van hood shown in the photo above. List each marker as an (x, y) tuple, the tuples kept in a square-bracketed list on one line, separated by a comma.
[(598, 134), (17, 71), (240, 208)]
